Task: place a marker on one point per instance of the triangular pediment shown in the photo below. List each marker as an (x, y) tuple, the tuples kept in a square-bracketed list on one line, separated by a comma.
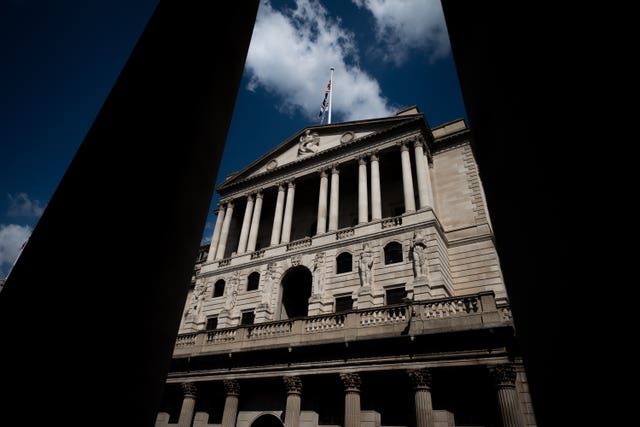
[(311, 142)]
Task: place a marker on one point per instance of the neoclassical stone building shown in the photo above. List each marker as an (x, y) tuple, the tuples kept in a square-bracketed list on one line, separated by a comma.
[(352, 280)]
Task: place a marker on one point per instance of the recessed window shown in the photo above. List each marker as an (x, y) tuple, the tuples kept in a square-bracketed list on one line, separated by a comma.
[(247, 318), (218, 288), (344, 303), (344, 262), (395, 295), (392, 253), (253, 281), (212, 322)]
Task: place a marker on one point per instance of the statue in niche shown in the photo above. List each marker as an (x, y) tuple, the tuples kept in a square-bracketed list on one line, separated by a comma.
[(318, 273), (269, 278), (233, 291), (365, 266), (197, 299), (309, 143), (419, 254)]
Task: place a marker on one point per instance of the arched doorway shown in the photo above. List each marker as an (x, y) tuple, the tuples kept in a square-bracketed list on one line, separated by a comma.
[(296, 291), (267, 420)]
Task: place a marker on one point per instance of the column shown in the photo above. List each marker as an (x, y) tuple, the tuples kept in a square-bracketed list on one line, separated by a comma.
[(246, 222), (188, 405), (407, 179), (277, 217), (363, 206), (334, 198), (288, 213), (230, 412), (376, 199), (421, 380), (224, 234), (504, 377), (351, 383), (429, 184), (213, 247), (322, 203), (294, 392), (255, 223), (421, 172)]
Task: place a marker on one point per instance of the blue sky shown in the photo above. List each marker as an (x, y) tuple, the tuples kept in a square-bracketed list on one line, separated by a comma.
[(61, 58)]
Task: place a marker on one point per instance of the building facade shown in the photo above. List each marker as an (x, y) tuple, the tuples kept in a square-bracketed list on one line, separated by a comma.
[(352, 280)]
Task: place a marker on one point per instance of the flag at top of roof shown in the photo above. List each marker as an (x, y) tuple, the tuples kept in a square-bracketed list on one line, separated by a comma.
[(326, 104)]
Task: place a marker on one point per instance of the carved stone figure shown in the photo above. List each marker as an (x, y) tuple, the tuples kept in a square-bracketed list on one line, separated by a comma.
[(365, 266), (233, 291), (197, 299), (309, 143), (419, 252), (318, 273)]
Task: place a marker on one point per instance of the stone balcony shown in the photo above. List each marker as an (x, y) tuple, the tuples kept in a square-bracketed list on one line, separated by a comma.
[(452, 314)]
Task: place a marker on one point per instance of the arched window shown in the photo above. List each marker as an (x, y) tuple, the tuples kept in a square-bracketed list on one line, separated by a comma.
[(344, 262), (392, 253), (218, 288), (253, 281)]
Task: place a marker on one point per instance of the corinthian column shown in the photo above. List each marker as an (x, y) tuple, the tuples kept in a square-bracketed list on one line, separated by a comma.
[(334, 198), (421, 379), (224, 234), (322, 203), (421, 173), (255, 223), (246, 222), (407, 179), (288, 213), (363, 207), (230, 412), (504, 377), (376, 199), (294, 392), (351, 383), (277, 217), (213, 246), (188, 405)]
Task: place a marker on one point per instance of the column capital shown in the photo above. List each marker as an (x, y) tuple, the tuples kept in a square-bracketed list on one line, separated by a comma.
[(404, 146), (293, 384), (375, 156), (258, 194), (335, 169), (362, 159), (291, 184), (418, 141), (351, 381), (189, 389), (420, 378), (323, 172), (231, 387), (503, 375), (251, 196)]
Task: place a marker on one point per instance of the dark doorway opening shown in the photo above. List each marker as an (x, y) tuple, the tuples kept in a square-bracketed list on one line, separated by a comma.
[(296, 290), (267, 420)]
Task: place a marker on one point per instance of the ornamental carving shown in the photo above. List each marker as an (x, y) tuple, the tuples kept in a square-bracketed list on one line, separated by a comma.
[(309, 143), (296, 260), (351, 381), (189, 389), (420, 378), (272, 164), (347, 137), (419, 254), (293, 384), (365, 266), (234, 281), (504, 376), (232, 387), (318, 269)]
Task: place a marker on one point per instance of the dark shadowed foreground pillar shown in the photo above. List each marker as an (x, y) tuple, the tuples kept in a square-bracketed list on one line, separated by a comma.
[(93, 303)]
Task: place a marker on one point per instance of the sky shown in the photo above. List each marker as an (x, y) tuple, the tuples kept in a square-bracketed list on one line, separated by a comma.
[(59, 60)]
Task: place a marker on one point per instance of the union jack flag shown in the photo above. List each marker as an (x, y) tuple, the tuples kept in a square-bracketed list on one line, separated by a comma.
[(324, 105)]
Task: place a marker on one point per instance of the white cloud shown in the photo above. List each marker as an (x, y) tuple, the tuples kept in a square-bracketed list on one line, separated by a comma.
[(290, 56), (12, 237), (22, 205), (405, 25)]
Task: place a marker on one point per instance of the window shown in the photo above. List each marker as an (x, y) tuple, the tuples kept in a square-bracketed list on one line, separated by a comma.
[(253, 281), (344, 303), (247, 318), (344, 262), (392, 253), (212, 323), (218, 288), (396, 295)]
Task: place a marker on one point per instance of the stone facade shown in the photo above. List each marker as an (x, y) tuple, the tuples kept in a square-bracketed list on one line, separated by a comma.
[(352, 278)]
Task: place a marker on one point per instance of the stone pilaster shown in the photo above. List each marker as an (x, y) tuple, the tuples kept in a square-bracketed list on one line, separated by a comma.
[(504, 377), (230, 412), (322, 203), (334, 198), (376, 199), (294, 396), (407, 179), (421, 380), (288, 213), (363, 206), (224, 234), (246, 223), (255, 223), (421, 173), (215, 239), (351, 382), (276, 229), (188, 405)]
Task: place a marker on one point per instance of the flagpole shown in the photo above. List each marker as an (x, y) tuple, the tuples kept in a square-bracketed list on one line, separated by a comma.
[(330, 93)]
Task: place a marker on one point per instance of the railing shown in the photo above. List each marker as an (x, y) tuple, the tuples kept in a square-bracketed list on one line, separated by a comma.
[(224, 262), (430, 316), (298, 244), (257, 254), (345, 234), (391, 222)]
